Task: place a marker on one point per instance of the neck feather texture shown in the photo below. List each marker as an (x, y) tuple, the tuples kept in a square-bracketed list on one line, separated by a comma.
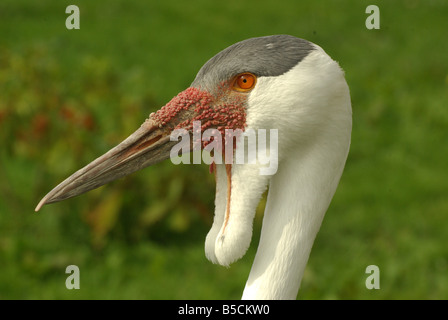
[(299, 195)]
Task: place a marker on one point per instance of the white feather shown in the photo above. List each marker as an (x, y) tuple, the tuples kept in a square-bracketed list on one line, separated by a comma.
[(310, 107)]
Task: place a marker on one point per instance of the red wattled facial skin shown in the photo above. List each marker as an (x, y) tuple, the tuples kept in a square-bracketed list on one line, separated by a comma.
[(226, 110)]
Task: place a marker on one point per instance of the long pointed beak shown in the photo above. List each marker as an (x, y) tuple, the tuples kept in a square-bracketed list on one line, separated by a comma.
[(146, 146), (151, 143)]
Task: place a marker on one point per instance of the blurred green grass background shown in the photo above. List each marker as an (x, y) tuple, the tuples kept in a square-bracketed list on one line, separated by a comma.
[(67, 96)]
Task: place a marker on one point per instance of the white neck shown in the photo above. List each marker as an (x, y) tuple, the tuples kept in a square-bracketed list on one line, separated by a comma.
[(299, 195)]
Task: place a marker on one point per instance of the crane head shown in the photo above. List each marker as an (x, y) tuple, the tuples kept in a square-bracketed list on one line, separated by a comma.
[(218, 97), (275, 82)]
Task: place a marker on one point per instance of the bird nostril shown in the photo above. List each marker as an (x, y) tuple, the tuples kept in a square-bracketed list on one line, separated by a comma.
[(138, 146), (149, 142)]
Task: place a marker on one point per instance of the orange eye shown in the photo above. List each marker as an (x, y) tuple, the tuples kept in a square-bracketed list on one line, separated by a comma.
[(244, 82)]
